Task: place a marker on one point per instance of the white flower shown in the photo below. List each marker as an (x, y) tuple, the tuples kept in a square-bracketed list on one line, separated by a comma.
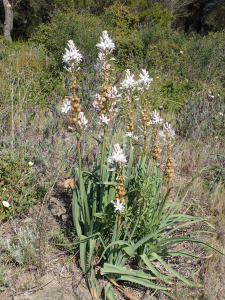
[(100, 136), (113, 93), (118, 205), (129, 134), (168, 130), (135, 138), (156, 118), (82, 121), (129, 82), (5, 203), (66, 106), (72, 56), (104, 119), (117, 156), (30, 163), (106, 45), (144, 80), (181, 52), (167, 133), (220, 113)]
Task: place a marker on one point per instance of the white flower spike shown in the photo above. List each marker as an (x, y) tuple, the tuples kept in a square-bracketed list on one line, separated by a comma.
[(106, 44), (72, 56)]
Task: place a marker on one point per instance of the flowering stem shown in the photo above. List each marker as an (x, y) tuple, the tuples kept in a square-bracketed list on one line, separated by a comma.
[(145, 145), (118, 226), (80, 173)]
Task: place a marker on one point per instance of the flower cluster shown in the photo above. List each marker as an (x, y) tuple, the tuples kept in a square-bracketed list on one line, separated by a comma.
[(82, 121), (144, 81), (128, 84), (155, 118), (72, 56), (106, 44), (117, 157), (167, 134), (66, 106)]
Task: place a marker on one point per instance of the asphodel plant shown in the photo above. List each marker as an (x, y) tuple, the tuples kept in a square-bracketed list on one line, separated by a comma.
[(120, 208)]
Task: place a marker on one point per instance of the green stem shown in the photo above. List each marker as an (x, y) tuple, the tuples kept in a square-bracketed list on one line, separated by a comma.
[(145, 145), (80, 173), (118, 226)]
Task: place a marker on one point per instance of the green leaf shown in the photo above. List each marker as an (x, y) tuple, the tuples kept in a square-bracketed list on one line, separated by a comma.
[(179, 276), (107, 182), (142, 281), (154, 271)]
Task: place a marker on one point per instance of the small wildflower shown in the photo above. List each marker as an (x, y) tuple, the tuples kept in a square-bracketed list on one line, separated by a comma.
[(144, 80), (104, 120), (156, 118), (5, 203), (167, 133), (135, 138), (117, 156), (82, 121), (118, 205), (66, 106), (30, 163), (129, 134), (129, 83)]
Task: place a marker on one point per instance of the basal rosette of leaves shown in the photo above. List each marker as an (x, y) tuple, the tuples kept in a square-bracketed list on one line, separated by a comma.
[(120, 208), (201, 116)]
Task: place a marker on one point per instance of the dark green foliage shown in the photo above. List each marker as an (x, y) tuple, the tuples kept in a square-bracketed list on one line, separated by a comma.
[(83, 29)]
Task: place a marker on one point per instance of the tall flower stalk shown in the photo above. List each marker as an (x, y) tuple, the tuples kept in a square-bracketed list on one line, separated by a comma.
[(121, 193), (144, 83)]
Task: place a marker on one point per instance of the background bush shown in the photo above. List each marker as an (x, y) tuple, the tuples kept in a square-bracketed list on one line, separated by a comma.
[(83, 29)]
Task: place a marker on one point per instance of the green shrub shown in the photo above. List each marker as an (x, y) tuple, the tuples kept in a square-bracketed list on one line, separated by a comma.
[(83, 29), (27, 76), (120, 17), (205, 58)]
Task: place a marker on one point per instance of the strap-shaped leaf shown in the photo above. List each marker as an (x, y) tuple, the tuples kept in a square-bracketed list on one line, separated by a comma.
[(179, 276), (113, 269), (143, 282)]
